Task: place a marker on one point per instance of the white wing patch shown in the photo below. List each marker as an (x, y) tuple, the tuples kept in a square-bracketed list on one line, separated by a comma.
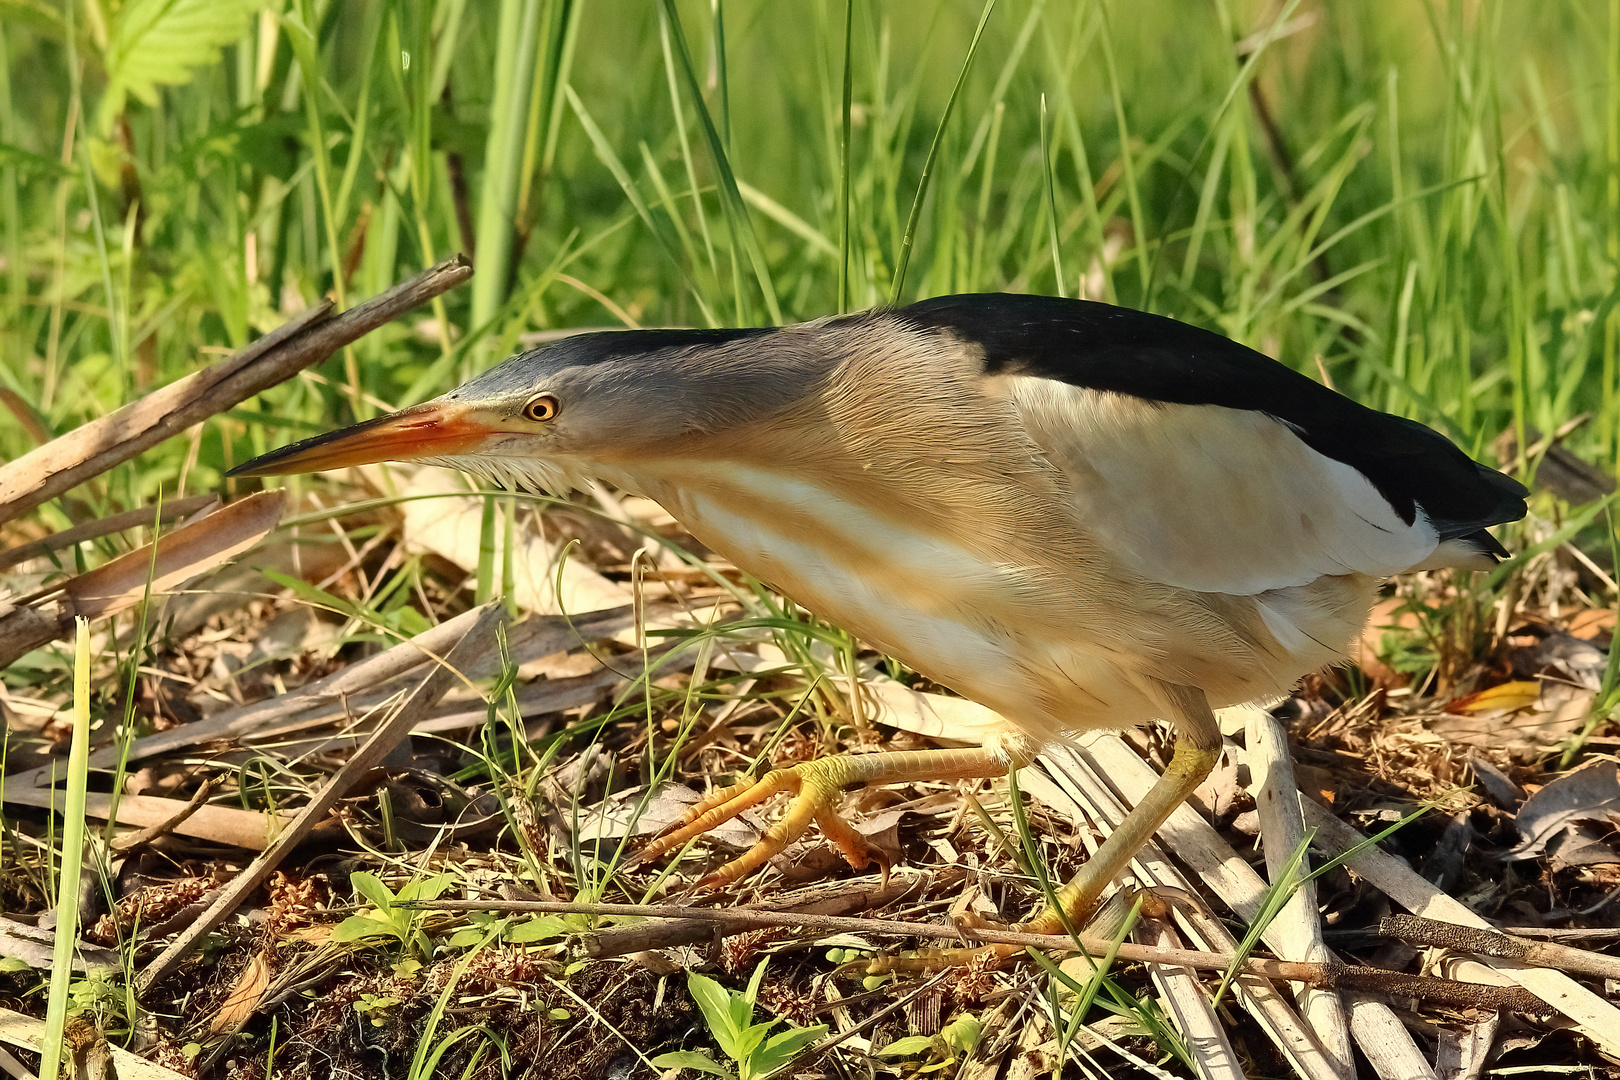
[(1214, 499)]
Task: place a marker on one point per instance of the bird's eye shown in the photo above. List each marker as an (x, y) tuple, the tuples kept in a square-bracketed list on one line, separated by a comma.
[(542, 408)]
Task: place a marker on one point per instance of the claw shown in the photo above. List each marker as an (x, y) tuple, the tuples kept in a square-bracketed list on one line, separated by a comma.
[(855, 848), (697, 819)]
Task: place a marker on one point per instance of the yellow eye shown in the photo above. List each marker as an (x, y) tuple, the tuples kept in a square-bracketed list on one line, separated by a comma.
[(542, 408)]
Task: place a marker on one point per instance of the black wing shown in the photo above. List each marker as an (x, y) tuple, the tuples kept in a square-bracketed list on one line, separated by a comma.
[(1102, 347)]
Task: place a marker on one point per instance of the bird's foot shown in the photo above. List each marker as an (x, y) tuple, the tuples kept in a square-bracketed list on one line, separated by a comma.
[(815, 786)]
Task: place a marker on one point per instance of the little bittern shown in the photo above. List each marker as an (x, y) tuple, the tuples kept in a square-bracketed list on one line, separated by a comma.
[(1077, 515)]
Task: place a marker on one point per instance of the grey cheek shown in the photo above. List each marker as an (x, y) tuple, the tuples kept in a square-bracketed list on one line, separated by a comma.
[(506, 444)]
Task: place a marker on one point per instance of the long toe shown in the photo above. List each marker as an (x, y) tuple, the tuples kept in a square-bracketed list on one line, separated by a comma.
[(820, 785), (718, 807), (816, 787)]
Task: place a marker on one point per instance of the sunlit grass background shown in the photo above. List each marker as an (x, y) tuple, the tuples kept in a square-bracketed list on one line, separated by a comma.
[(1419, 201)]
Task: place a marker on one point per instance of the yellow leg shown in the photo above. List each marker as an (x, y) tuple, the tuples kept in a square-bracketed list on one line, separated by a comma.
[(1198, 747), (816, 787)]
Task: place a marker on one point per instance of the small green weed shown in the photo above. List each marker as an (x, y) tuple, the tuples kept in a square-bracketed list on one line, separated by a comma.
[(394, 917), (939, 1052), (378, 1009), (729, 1016)]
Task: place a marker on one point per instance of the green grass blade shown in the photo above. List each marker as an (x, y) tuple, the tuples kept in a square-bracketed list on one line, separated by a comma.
[(737, 217), (844, 164), (301, 28), (786, 218), (516, 81), (73, 837), (1276, 897), (606, 154), (907, 239), (667, 199), (545, 106), (10, 207), (1051, 204), (688, 159), (358, 149), (1059, 68), (1127, 159)]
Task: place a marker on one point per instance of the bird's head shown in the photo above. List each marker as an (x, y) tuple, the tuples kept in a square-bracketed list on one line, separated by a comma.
[(607, 404)]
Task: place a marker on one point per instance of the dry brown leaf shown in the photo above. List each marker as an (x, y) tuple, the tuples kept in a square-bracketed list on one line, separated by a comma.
[(934, 715), (1592, 623), (91, 530), (244, 997), (1590, 793), (249, 829), (314, 935), (180, 556), (1560, 711), (530, 638), (1388, 614), (611, 819)]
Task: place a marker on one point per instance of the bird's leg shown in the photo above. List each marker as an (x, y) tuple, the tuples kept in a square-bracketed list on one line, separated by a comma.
[(816, 787), (1198, 748)]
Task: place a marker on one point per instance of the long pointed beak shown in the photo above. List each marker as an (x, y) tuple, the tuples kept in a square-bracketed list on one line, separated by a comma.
[(434, 429)]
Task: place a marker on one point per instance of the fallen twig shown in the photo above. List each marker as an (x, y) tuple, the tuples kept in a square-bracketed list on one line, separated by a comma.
[(1598, 1018), (95, 530), (849, 896), (1415, 930), (308, 338), (159, 567), (251, 829), (1329, 974), (141, 837)]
